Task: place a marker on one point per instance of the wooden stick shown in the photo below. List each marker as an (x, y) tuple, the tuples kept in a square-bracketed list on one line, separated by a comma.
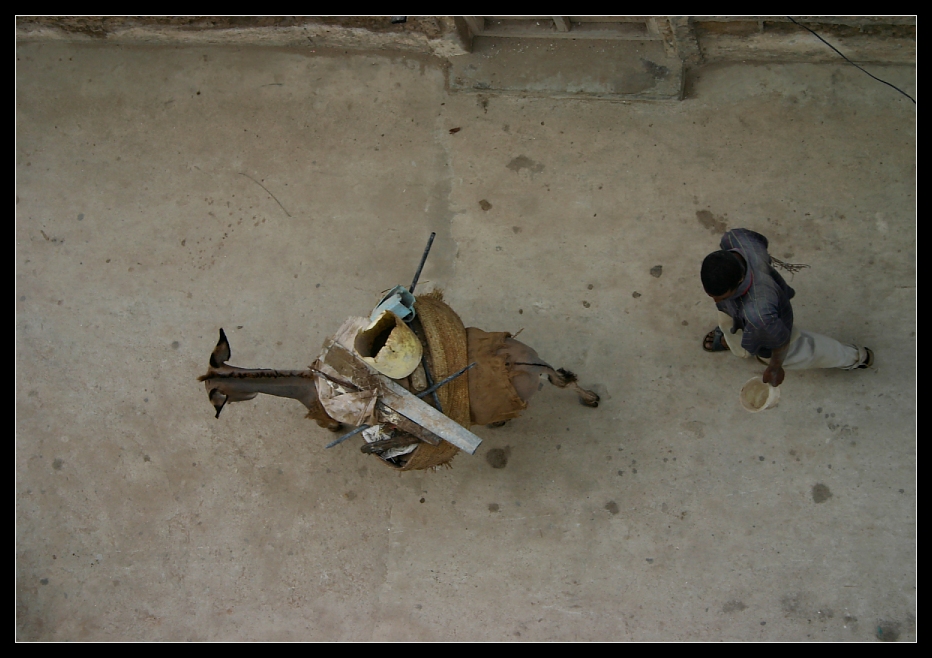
[(334, 380), (386, 444)]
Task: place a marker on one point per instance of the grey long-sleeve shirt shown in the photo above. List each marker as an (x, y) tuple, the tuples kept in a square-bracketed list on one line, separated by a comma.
[(761, 306)]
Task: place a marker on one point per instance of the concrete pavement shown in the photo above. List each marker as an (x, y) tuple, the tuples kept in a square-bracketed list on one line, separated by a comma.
[(165, 192)]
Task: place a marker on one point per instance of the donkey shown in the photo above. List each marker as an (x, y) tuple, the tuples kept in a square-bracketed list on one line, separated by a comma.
[(226, 383)]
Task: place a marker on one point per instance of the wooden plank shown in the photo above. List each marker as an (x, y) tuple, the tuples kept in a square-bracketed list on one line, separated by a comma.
[(348, 366), (396, 397), (386, 414), (562, 23)]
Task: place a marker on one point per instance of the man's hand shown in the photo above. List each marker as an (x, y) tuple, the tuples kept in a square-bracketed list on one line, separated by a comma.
[(774, 375)]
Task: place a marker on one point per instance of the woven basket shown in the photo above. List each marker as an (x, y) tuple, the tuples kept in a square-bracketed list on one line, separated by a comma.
[(446, 349)]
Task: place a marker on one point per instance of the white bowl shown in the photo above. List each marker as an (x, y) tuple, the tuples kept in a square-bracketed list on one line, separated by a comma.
[(756, 396)]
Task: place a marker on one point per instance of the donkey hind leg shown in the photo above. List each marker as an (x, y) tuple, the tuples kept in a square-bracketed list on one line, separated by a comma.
[(563, 378), (524, 360)]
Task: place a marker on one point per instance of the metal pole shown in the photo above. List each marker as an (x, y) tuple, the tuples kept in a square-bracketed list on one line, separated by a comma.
[(347, 436), (447, 380), (417, 274), (430, 383)]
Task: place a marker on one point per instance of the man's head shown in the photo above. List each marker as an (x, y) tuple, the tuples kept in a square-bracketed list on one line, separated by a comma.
[(722, 273)]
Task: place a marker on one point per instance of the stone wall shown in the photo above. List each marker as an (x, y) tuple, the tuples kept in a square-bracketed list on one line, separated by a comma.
[(696, 39)]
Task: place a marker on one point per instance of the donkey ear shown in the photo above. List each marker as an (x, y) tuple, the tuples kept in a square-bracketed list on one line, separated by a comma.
[(221, 353), (217, 399)]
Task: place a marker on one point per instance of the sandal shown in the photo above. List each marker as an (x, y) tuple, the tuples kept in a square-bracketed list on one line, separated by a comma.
[(868, 362), (714, 341)]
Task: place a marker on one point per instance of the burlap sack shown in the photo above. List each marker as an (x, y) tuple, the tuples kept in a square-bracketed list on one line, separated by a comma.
[(492, 396), (447, 353), (484, 395)]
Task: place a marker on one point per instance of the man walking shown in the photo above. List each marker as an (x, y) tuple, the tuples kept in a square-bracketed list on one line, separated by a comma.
[(755, 316)]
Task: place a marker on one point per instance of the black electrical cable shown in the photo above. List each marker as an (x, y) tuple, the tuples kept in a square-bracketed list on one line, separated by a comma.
[(852, 63)]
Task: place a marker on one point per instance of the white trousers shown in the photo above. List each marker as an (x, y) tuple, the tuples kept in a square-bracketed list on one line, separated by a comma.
[(807, 349)]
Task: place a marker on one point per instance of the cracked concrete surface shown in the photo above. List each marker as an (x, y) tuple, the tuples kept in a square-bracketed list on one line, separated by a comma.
[(164, 192)]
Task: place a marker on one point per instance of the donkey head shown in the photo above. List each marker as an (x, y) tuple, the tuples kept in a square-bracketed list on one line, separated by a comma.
[(221, 382), (226, 383)]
